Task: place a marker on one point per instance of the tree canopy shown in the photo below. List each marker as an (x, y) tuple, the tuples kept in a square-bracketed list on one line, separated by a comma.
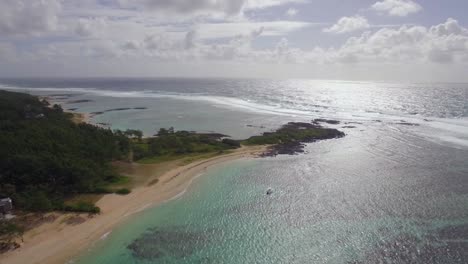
[(45, 157)]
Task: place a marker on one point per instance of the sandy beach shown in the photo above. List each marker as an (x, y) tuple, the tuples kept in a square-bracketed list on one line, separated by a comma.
[(58, 242), (81, 118)]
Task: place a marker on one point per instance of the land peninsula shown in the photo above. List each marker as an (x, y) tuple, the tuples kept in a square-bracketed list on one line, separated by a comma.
[(72, 182)]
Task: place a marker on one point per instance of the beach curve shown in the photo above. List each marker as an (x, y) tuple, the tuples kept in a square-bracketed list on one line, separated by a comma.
[(56, 243)]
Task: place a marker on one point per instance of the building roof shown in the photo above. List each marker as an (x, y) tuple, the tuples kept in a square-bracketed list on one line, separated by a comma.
[(5, 200)]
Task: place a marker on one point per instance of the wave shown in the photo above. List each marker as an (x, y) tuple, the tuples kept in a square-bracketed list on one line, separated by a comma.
[(229, 102), (103, 237), (451, 131)]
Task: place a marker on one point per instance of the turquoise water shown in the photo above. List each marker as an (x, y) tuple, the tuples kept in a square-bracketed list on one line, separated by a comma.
[(393, 190), (194, 227), (226, 217)]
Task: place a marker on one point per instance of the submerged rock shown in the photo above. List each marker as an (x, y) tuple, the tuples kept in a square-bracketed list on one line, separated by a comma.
[(80, 101), (404, 123), (173, 243), (328, 121), (117, 109)]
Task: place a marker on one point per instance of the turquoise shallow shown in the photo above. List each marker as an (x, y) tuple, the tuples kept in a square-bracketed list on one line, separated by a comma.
[(325, 208), (393, 190)]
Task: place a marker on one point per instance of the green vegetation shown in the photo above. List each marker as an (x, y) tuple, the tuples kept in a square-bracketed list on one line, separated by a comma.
[(293, 132), (82, 206), (123, 191), (45, 158), (132, 133), (169, 145), (290, 138)]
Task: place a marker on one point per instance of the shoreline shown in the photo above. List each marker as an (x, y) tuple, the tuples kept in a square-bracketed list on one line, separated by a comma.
[(80, 117), (57, 242)]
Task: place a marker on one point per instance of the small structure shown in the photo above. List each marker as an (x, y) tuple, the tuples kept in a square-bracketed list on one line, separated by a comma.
[(6, 206)]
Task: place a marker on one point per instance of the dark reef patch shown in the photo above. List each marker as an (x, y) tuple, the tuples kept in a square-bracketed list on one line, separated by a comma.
[(357, 123), (62, 96), (117, 109), (290, 138), (327, 121), (255, 126), (404, 123), (175, 242), (79, 101)]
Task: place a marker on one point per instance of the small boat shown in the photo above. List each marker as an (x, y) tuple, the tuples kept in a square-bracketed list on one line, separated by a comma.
[(269, 191)]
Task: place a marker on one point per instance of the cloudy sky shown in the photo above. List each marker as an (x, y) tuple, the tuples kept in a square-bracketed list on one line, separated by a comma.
[(422, 40)]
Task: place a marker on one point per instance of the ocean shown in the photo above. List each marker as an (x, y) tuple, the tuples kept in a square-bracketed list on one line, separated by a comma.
[(393, 190)]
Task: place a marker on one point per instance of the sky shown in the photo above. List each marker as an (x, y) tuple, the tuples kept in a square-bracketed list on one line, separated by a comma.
[(398, 40)]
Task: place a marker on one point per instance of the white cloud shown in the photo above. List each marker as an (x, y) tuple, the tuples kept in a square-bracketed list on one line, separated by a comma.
[(214, 31), (258, 4), (26, 17), (191, 39), (292, 12), (272, 28), (131, 45), (238, 48), (397, 7), (451, 26), (203, 7), (348, 24), (229, 7), (91, 27), (443, 43)]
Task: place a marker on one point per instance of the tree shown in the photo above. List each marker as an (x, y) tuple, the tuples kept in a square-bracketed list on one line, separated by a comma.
[(45, 160), (163, 132)]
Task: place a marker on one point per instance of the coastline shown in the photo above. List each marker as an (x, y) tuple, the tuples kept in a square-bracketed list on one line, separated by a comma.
[(57, 242), (64, 236)]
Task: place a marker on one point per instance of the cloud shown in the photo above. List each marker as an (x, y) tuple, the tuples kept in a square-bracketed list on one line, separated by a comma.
[(348, 24), (203, 7), (26, 17), (451, 26), (229, 7), (131, 45), (191, 39), (270, 28), (292, 12), (90, 27), (63, 32), (238, 48), (443, 43), (397, 7)]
